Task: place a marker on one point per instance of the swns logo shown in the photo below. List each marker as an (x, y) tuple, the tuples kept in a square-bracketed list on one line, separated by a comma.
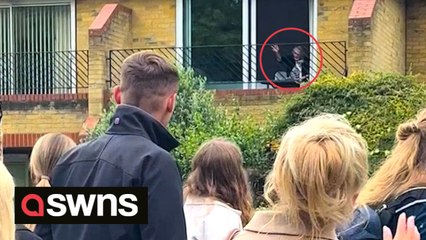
[(81, 205)]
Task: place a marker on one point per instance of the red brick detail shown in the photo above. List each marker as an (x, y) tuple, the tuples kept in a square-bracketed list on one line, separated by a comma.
[(43, 97), (362, 9), (88, 124), (91, 122), (104, 18), (250, 92), (15, 140)]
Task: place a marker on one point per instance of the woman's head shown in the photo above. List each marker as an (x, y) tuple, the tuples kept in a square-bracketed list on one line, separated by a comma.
[(297, 53), (319, 169), (7, 221), (217, 172), (405, 167), (45, 154)]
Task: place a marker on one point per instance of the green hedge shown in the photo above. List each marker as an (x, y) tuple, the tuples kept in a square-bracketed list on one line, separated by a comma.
[(374, 103)]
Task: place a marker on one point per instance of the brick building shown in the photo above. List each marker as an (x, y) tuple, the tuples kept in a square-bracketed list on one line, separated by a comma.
[(60, 57)]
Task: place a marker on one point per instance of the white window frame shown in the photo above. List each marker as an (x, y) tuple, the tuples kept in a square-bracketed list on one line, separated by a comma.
[(249, 22), (313, 28), (34, 3), (179, 31), (30, 3)]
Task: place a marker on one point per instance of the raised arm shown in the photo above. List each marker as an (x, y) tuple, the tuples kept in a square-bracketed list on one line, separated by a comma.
[(276, 49)]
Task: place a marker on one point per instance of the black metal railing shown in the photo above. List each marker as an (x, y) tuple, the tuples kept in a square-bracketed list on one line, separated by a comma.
[(241, 63), (60, 72)]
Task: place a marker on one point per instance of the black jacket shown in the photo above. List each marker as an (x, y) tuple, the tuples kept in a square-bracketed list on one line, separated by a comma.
[(23, 233), (368, 222), (133, 152)]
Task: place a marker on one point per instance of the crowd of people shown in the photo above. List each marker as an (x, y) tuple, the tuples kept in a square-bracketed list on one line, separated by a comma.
[(318, 187)]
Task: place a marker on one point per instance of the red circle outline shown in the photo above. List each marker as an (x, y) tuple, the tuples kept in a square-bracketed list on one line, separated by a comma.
[(261, 60)]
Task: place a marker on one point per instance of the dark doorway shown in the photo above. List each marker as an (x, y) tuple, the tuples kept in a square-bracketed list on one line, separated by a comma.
[(276, 14)]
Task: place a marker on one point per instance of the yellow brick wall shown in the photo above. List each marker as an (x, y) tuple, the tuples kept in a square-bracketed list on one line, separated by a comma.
[(378, 44), (115, 37), (333, 19), (416, 37), (43, 121), (153, 21), (388, 26)]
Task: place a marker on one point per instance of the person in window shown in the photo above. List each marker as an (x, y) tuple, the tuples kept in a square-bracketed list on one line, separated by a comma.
[(296, 66)]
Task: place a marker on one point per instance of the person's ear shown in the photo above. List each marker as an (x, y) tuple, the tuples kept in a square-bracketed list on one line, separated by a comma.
[(354, 198), (116, 92), (171, 102)]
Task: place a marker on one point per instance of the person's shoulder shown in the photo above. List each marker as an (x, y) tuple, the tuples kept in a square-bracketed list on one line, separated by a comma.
[(365, 224), (227, 210), (23, 233), (245, 235)]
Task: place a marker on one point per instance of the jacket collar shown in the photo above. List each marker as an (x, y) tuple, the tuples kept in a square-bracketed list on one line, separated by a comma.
[(130, 120), (267, 222)]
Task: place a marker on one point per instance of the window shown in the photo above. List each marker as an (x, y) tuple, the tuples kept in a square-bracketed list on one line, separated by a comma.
[(35, 44), (222, 38), (17, 164), (214, 29)]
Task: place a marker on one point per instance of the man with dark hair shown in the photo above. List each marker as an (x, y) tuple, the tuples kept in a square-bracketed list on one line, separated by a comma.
[(133, 152)]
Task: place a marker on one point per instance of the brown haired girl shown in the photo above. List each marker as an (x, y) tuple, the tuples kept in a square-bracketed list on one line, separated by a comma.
[(217, 195)]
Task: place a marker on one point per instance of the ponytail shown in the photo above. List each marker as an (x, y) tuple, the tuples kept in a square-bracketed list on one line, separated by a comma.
[(44, 182), (403, 169)]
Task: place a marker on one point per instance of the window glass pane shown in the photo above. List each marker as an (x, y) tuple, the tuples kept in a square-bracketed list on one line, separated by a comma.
[(17, 164), (217, 23), (4, 50), (40, 33)]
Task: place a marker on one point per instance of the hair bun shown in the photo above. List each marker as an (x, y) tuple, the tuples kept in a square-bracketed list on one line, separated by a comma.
[(405, 130)]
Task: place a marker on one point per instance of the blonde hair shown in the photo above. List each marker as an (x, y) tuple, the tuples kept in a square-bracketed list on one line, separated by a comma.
[(405, 167), (217, 172), (7, 221), (320, 166), (45, 154)]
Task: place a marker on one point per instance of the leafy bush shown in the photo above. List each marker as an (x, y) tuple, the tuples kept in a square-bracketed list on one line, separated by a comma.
[(197, 119), (374, 103)]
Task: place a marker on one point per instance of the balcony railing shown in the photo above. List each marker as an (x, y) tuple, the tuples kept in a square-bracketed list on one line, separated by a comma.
[(38, 73), (240, 63), (44, 80)]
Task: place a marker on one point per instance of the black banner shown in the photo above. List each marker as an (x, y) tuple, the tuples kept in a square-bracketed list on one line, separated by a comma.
[(81, 205)]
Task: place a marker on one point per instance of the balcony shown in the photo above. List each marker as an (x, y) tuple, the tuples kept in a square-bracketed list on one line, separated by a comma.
[(238, 66), (40, 79), (36, 79)]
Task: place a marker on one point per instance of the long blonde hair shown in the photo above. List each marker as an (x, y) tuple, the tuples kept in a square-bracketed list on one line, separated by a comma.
[(217, 172), (7, 219), (45, 154), (320, 166), (405, 167)]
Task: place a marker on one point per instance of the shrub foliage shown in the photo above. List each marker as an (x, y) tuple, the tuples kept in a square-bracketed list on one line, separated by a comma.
[(374, 103)]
